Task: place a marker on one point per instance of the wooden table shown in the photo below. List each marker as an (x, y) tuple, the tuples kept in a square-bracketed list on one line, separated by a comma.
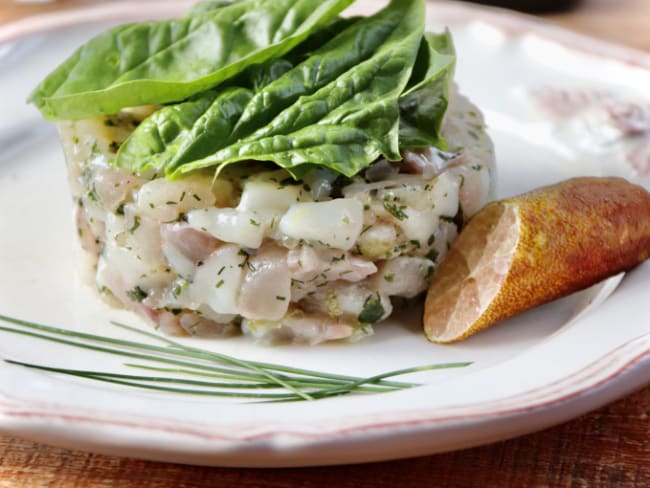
[(608, 447)]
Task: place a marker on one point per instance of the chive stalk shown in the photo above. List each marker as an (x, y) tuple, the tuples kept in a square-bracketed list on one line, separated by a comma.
[(237, 377)]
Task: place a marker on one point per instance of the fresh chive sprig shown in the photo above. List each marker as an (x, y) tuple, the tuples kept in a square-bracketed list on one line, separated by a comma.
[(236, 377)]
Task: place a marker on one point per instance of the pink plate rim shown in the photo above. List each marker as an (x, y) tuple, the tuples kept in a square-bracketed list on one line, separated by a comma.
[(626, 358), (628, 365)]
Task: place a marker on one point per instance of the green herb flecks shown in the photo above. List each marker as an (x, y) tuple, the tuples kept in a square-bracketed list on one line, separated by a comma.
[(396, 210), (137, 294), (372, 310)]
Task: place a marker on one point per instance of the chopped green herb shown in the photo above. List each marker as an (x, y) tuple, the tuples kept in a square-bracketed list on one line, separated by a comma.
[(137, 294), (432, 255), (95, 150), (429, 274), (177, 290), (390, 277), (105, 290), (395, 211), (372, 310), (136, 224), (219, 284), (92, 194)]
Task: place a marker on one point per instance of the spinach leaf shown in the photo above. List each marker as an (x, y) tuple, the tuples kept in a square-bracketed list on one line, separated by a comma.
[(424, 103), (186, 132), (339, 108), (167, 61)]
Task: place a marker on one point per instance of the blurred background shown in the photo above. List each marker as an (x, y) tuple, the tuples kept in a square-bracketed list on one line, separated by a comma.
[(622, 21), (534, 6)]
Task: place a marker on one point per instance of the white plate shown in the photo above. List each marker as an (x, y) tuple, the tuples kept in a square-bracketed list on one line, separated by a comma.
[(558, 105)]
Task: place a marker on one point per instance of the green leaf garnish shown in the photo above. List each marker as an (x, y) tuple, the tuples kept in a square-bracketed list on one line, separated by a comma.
[(338, 108), (424, 103), (281, 81), (171, 60), (239, 378)]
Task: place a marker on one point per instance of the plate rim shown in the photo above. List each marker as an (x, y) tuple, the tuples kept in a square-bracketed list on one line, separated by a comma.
[(626, 367)]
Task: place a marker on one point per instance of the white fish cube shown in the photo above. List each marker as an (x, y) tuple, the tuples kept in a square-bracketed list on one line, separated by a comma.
[(230, 225), (268, 195), (335, 223), (217, 281)]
